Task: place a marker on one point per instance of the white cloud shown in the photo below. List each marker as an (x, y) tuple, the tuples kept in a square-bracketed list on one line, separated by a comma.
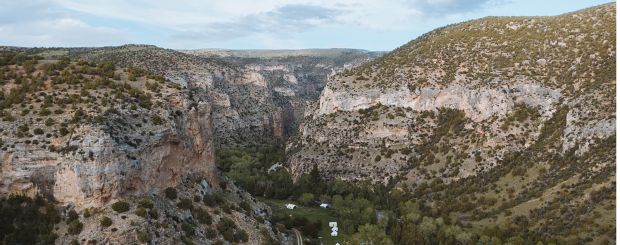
[(199, 22), (59, 32), (193, 14)]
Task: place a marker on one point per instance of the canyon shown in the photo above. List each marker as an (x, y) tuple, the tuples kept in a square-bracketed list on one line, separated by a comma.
[(513, 117)]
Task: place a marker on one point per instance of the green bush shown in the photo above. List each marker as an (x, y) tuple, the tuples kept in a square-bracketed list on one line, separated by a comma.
[(120, 206), (157, 120), (225, 224), (306, 198), (185, 203), (171, 193), (105, 221), (153, 213), (229, 235), (145, 203), (203, 216), (245, 206), (75, 227), (49, 122), (38, 131), (140, 211), (72, 215), (188, 229), (144, 236), (63, 131), (241, 236), (210, 233)]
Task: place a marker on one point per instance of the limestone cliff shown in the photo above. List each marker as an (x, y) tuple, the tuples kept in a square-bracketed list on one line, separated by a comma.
[(87, 143)]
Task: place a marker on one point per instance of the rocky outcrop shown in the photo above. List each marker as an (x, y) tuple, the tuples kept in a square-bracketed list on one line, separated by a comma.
[(121, 151), (478, 103)]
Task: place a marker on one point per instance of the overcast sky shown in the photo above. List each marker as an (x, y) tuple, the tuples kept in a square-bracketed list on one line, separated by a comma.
[(249, 24)]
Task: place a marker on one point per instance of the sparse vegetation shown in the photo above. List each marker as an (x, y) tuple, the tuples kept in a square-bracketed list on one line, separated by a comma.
[(120, 206)]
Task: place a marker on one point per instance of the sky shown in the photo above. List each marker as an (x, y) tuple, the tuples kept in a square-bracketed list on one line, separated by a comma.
[(380, 25)]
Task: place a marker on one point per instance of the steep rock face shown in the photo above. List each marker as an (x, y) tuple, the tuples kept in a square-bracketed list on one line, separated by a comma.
[(86, 156), (478, 103)]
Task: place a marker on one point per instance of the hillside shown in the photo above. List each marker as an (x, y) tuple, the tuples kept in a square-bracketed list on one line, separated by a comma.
[(514, 117), (94, 139)]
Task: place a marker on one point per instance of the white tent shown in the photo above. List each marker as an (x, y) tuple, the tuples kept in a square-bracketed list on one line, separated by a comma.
[(291, 206), (333, 224), (324, 205), (334, 233)]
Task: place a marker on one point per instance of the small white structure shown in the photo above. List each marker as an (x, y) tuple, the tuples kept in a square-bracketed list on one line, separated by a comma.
[(324, 205), (334, 227), (291, 206)]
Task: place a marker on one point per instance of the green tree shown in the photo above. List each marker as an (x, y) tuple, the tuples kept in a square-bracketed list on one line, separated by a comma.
[(306, 199), (369, 234)]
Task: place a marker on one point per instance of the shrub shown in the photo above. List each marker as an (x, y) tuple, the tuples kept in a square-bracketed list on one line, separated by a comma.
[(140, 211), (306, 198), (145, 203), (45, 112), (245, 206), (144, 236), (241, 236), (87, 213), (105, 221), (153, 213), (203, 216), (49, 122), (188, 229), (185, 203), (225, 224), (38, 131), (157, 120), (71, 216), (75, 227), (229, 235), (210, 233), (226, 209), (209, 200), (120, 206), (187, 241), (63, 131), (171, 193)]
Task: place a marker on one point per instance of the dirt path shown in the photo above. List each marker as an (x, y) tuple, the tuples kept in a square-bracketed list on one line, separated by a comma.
[(299, 238)]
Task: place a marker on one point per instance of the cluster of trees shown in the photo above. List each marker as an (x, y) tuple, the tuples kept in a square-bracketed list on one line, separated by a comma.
[(27, 221)]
